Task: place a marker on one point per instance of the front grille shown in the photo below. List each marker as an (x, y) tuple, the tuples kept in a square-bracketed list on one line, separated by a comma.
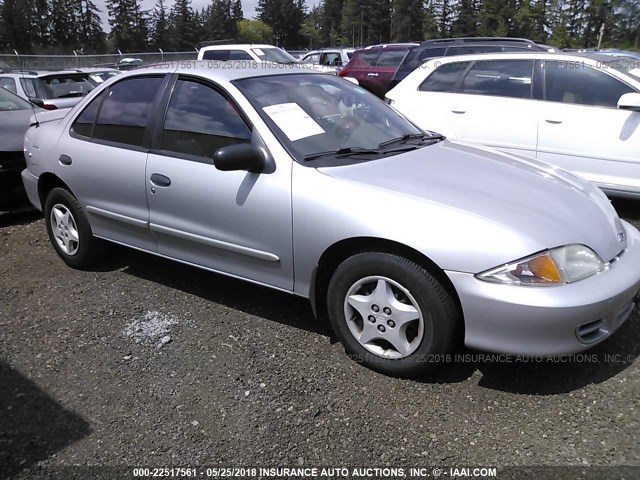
[(592, 331), (12, 161)]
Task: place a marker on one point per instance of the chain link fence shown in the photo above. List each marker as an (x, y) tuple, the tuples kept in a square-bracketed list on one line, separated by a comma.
[(65, 62)]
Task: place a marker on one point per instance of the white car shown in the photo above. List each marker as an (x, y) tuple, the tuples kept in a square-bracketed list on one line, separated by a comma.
[(240, 54), (580, 112)]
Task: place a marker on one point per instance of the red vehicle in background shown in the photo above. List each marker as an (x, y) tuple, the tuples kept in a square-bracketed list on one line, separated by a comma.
[(375, 66)]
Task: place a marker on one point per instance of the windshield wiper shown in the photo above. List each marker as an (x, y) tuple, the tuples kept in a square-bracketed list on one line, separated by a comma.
[(342, 152), (411, 136)]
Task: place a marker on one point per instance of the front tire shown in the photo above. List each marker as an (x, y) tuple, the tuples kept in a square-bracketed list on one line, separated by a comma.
[(391, 314), (69, 230)]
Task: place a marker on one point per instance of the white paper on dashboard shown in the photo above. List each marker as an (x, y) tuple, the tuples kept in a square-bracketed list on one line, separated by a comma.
[(293, 121)]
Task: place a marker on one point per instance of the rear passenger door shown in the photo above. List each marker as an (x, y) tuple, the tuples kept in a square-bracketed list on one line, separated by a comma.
[(236, 222), (493, 104), (109, 141)]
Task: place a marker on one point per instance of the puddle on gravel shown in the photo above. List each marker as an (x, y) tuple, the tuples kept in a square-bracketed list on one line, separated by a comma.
[(152, 327)]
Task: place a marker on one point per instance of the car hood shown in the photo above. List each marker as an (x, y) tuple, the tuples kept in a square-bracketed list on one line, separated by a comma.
[(546, 205), (14, 124)]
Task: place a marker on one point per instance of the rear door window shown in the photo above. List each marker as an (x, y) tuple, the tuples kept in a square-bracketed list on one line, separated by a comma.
[(503, 78), (126, 110)]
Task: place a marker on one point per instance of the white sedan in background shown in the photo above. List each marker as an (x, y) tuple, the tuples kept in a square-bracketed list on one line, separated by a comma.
[(580, 112)]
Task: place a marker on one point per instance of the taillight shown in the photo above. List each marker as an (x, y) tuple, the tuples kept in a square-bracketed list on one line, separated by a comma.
[(344, 72), (47, 106)]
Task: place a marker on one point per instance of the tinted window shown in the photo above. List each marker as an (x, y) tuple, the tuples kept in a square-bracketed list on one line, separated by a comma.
[(200, 120), (504, 78), (9, 84), (221, 55), (390, 58), (367, 58), (432, 52), (444, 78), (84, 123), (29, 87), (572, 82), (126, 109), (239, 55)]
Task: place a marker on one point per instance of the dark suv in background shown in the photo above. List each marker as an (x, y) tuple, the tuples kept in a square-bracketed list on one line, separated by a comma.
[(375, 66), (445, 47)]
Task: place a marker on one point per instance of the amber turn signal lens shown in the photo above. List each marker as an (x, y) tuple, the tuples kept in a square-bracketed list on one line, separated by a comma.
[(544, 267)]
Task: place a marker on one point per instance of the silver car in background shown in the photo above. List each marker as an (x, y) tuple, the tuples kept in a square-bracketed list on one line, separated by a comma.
[(308, 184)]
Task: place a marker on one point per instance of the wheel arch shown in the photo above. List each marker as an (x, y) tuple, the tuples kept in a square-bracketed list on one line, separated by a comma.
[(333, 256), (47, 182)]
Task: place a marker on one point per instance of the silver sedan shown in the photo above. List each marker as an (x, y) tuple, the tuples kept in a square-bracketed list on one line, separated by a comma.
[(306, 183)]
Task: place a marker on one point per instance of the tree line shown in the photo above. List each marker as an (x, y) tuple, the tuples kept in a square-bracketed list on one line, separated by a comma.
[(60, 26)]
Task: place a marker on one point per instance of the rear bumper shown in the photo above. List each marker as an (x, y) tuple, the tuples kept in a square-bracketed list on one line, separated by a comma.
[(550, 320), (30, 183)]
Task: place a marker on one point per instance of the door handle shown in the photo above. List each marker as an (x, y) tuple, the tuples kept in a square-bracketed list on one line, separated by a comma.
[(372, 74), (458, 110), (65, 160), (160, 180), (554, 121)]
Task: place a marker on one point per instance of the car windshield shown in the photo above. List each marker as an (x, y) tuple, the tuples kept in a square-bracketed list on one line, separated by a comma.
[(9, 101), (274, 55), (317, 115), (66, 86)]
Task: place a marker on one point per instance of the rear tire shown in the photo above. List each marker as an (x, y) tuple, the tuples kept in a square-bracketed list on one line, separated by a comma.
[(391, 314), (69, 230)]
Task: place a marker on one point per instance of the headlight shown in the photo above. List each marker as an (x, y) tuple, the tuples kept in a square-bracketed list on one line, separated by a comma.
[(557, 266)]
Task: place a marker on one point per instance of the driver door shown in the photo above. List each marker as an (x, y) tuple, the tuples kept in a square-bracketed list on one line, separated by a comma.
[(234, 222)]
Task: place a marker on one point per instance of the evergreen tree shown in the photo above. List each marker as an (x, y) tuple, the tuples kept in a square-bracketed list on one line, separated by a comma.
[(181, 26), (331, 31), (92, 37), (159, 26), (285, 17), (466, 23), (16, 24), (408, 20)]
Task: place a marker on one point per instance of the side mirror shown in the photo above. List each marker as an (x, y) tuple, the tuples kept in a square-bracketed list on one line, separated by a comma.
[(242, 156), (629, 101)]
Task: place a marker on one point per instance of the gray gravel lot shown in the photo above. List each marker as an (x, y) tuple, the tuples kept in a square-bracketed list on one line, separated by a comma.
[(145, 361)]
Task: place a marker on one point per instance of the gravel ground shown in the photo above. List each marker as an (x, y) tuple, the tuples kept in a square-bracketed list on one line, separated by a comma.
[(145, 361)]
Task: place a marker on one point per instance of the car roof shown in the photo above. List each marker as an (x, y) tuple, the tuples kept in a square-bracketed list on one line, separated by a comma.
[(594, 57), (237, 45), (203, 68)]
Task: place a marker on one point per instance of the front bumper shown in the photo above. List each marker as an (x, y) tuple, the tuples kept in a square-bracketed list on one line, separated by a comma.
[(532, 321)]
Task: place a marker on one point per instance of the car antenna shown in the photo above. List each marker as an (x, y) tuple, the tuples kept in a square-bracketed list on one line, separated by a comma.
[(35, 123)]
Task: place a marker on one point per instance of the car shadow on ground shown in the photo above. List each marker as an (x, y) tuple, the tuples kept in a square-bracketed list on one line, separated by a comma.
[(19, 218), (534, 376), (33, 425)]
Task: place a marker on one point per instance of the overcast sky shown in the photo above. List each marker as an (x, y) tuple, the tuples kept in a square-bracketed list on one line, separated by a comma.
[(248, 6)]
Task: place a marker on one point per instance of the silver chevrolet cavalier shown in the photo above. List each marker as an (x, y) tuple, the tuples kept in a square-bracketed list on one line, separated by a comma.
[(306, 183)]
